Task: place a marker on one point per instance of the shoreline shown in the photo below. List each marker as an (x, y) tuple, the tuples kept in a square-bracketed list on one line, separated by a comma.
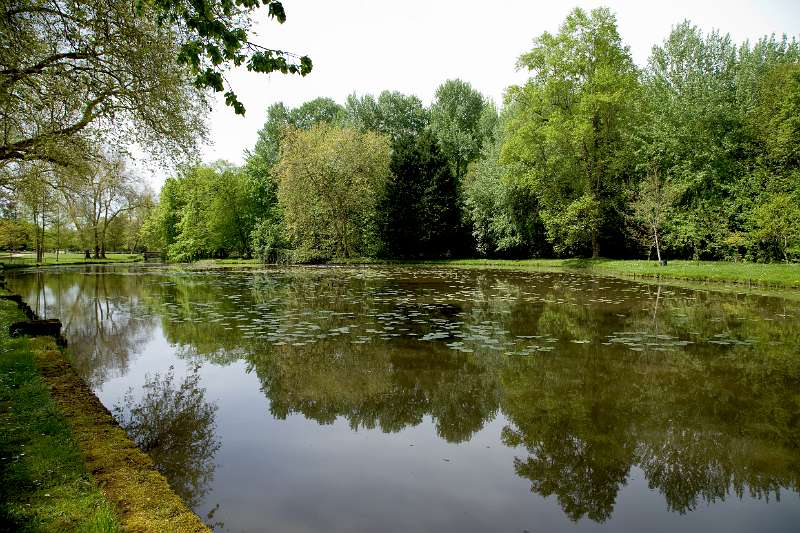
[(741, 275), (139, 495)]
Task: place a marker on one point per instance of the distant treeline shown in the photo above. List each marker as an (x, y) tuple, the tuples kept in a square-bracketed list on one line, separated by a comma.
[(695, 155)]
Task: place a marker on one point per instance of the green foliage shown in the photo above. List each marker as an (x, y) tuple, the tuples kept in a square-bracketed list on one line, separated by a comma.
[(714, 124), (567, 128), (460, 121), (418, 210), (208, 211), (695, 155), (269, 238), (776, 224), (215, 36), (14, 234), (88, 71), (393, 113), (504, 215), (329, 179)]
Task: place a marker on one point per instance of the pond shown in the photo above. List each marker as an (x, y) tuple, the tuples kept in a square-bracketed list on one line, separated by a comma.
[(443, 399)]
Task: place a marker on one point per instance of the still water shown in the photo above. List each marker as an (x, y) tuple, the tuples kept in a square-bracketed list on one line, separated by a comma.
[(424, 399)]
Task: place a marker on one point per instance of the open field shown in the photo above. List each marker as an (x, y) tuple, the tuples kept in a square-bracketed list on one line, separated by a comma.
[(21, 259)]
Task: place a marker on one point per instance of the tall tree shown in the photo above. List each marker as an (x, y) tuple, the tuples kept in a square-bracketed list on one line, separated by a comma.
[(392, 113), (418, 210), (329, 179), (710, 113), (503, 213), (96, 196), (569, 126), (71, 70), (456, 120)]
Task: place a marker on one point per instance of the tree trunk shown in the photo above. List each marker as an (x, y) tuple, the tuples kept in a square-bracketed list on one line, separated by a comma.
[(658, 246), (96, 243), (595, 245), (785, 249), (40, 240)]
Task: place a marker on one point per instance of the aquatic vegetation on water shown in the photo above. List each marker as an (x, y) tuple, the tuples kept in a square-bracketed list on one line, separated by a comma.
[(592, 381)]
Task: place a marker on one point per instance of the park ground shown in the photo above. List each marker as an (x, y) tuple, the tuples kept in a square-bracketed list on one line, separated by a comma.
[(44, 485), (26, 259)]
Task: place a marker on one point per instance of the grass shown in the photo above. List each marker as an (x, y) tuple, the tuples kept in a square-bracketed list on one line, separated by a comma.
[(29, 259), (777, 275), (760, 274), (54, 432), (44, 484)]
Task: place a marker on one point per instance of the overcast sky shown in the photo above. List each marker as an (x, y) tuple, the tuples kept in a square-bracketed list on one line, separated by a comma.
[(414, 45)]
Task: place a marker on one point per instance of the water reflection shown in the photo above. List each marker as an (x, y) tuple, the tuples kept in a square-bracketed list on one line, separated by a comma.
[(175, 425), (593, 378)]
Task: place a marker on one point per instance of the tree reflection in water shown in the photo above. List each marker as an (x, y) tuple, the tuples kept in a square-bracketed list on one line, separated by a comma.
[(176, 426), (593, 377)]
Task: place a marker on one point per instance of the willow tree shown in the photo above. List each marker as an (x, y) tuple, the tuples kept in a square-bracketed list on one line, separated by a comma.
[(329, 180), (568, 127)]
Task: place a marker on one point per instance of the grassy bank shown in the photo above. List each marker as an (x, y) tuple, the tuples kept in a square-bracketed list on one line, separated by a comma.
[(777, 275), (760, 274), (44, 484), (54, 432), (19, 260)]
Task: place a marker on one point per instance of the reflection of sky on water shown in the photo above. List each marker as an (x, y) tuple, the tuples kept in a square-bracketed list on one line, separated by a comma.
[(297, 474)]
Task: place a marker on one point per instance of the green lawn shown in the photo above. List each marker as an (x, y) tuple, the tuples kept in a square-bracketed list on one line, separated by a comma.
[(770, 274), (44, 485), (19, 259), (779, 275)]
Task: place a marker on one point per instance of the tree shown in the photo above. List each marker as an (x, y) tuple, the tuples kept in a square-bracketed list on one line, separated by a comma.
[(96, 196), (159, 230), (13, 234), (714, 118), (74, 70), (393, 113), (652, 206), (777, 223), (504, 215), (418, 210), (267, 149), (456, 120), (208, 212), (213, 36), (316, 111), (569, 123), (36, 194), (329, 179)]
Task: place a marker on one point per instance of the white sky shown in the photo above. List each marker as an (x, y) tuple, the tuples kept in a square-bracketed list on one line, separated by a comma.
[(414, 45)]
